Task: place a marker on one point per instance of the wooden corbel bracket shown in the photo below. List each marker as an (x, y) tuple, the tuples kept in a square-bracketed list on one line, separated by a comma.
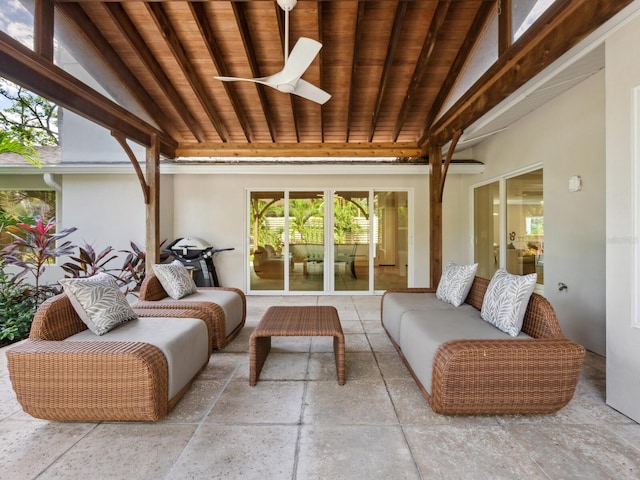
[(136, 165)]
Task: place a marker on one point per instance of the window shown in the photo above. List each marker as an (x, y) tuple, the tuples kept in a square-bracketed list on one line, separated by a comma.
[(509, 225), (24, 206)]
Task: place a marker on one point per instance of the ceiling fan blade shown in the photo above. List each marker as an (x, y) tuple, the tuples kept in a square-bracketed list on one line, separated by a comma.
[(309, 91), (238, 79), (302, 55)]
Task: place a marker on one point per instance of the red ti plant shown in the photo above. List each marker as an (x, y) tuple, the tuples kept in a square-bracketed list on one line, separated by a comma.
[(33, 247)]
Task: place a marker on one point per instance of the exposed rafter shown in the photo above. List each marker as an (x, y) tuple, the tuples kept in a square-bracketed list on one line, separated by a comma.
[(243, 26), (354, 66), (391, 52), (165, 27)]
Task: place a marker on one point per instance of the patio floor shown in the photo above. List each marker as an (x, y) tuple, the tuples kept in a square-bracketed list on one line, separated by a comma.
[(298, 423)]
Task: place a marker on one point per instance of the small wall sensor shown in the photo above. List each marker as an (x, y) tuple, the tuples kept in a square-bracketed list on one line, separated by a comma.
[(575, 184)]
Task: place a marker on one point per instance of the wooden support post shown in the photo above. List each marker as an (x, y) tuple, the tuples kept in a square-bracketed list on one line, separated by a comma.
[(153, 206), (435, 213), (43, 28)]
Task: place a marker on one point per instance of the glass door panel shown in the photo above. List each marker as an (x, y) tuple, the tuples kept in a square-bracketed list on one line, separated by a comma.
[(391, 236), (306, 241), (266, 252), (525, 225), (486, 221), (351, 232)]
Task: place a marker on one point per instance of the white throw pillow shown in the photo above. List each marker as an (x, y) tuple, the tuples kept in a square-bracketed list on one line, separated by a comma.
[(98, 301), (455, 283), (506, 300), (175, 279)]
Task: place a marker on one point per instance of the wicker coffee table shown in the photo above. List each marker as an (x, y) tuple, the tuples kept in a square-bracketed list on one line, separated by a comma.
[(295, 322)]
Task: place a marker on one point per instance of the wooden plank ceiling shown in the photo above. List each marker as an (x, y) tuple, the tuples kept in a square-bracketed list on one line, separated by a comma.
[(390, 66)]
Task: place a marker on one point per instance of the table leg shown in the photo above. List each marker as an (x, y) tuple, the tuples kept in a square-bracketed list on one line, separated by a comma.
[(258, 350), (338, 351)]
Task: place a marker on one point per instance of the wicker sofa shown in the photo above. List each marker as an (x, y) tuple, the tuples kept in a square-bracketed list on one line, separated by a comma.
[(225, 309), (65, 372), (488, 372)]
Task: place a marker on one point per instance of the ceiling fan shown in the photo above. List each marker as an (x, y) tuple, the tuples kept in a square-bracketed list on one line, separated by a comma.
[(288, 79)]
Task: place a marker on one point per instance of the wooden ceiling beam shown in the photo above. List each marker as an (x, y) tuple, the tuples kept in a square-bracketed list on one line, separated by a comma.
[(43, 17), (480, 22), (561, 27), (138, 45), (92, 36), (200, 16), (21, 65), (428, 46), (396, 30), (354, 65), (167, 31), (243, 26), (347, 149), (505, 35)]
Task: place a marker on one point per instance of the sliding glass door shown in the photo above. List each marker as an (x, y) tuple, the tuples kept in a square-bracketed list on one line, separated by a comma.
[(300, 242)]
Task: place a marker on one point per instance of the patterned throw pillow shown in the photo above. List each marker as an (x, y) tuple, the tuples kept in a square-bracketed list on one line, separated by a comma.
[(455, 283), (175, 279), (506, 300), (98, 301)]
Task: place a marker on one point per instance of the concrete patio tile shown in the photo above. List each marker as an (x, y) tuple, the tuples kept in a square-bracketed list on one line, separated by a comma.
[(469, 453), (290, 344), (629, 433), (132, 451), (224, 365), (196, 402), (355, 342), (8, 401), (372, 326), (578, 451), (358, 365), (380, 342), (369, 315), (351, 326), (267, 402), (354, 452), (3, 362), (338, 301), (391, 365), (226, 452), (241, 342), (367, 302), (299, 300), (413, 408), (358, 402), (28, 448), (284, 366)]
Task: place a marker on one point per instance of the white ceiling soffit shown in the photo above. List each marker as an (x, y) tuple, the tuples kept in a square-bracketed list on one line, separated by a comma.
[(579, 63)]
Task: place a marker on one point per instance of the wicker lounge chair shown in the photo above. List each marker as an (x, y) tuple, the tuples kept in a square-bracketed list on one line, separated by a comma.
[(64, 372), (225, 309)]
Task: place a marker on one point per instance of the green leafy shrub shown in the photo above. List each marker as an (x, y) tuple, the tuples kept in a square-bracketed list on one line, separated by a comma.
[(17, 308)]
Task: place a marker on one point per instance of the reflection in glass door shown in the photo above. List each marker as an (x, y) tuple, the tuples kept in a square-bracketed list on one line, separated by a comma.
[(267, 249), (306, 241), (351, 234), (486, 221), (391, 239), (525, 225), (301, 243)]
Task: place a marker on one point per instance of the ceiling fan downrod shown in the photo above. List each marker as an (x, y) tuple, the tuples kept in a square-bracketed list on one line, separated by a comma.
[(287, 6)]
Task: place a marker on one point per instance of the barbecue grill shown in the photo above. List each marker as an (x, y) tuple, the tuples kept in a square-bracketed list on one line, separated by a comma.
[(197, 255)]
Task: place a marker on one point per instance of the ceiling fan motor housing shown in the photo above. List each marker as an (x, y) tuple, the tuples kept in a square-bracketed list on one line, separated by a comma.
[(287, 5)]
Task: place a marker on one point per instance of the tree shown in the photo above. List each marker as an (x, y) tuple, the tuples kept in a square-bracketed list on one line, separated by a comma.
[(11, 145), (30, 120)]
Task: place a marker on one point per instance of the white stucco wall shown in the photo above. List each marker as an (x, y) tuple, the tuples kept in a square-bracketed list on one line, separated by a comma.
[(214, 207), (623, 253), (566, 137)]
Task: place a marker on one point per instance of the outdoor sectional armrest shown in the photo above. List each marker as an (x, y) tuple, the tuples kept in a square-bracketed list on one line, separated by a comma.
[(404, 290), (505, 376), (182, 312), (66, 380)]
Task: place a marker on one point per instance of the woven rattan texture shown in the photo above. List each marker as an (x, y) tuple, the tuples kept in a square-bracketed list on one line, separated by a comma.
[(56, 319), (89, 381), (504, 376), (151, 291), (295, 321)]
